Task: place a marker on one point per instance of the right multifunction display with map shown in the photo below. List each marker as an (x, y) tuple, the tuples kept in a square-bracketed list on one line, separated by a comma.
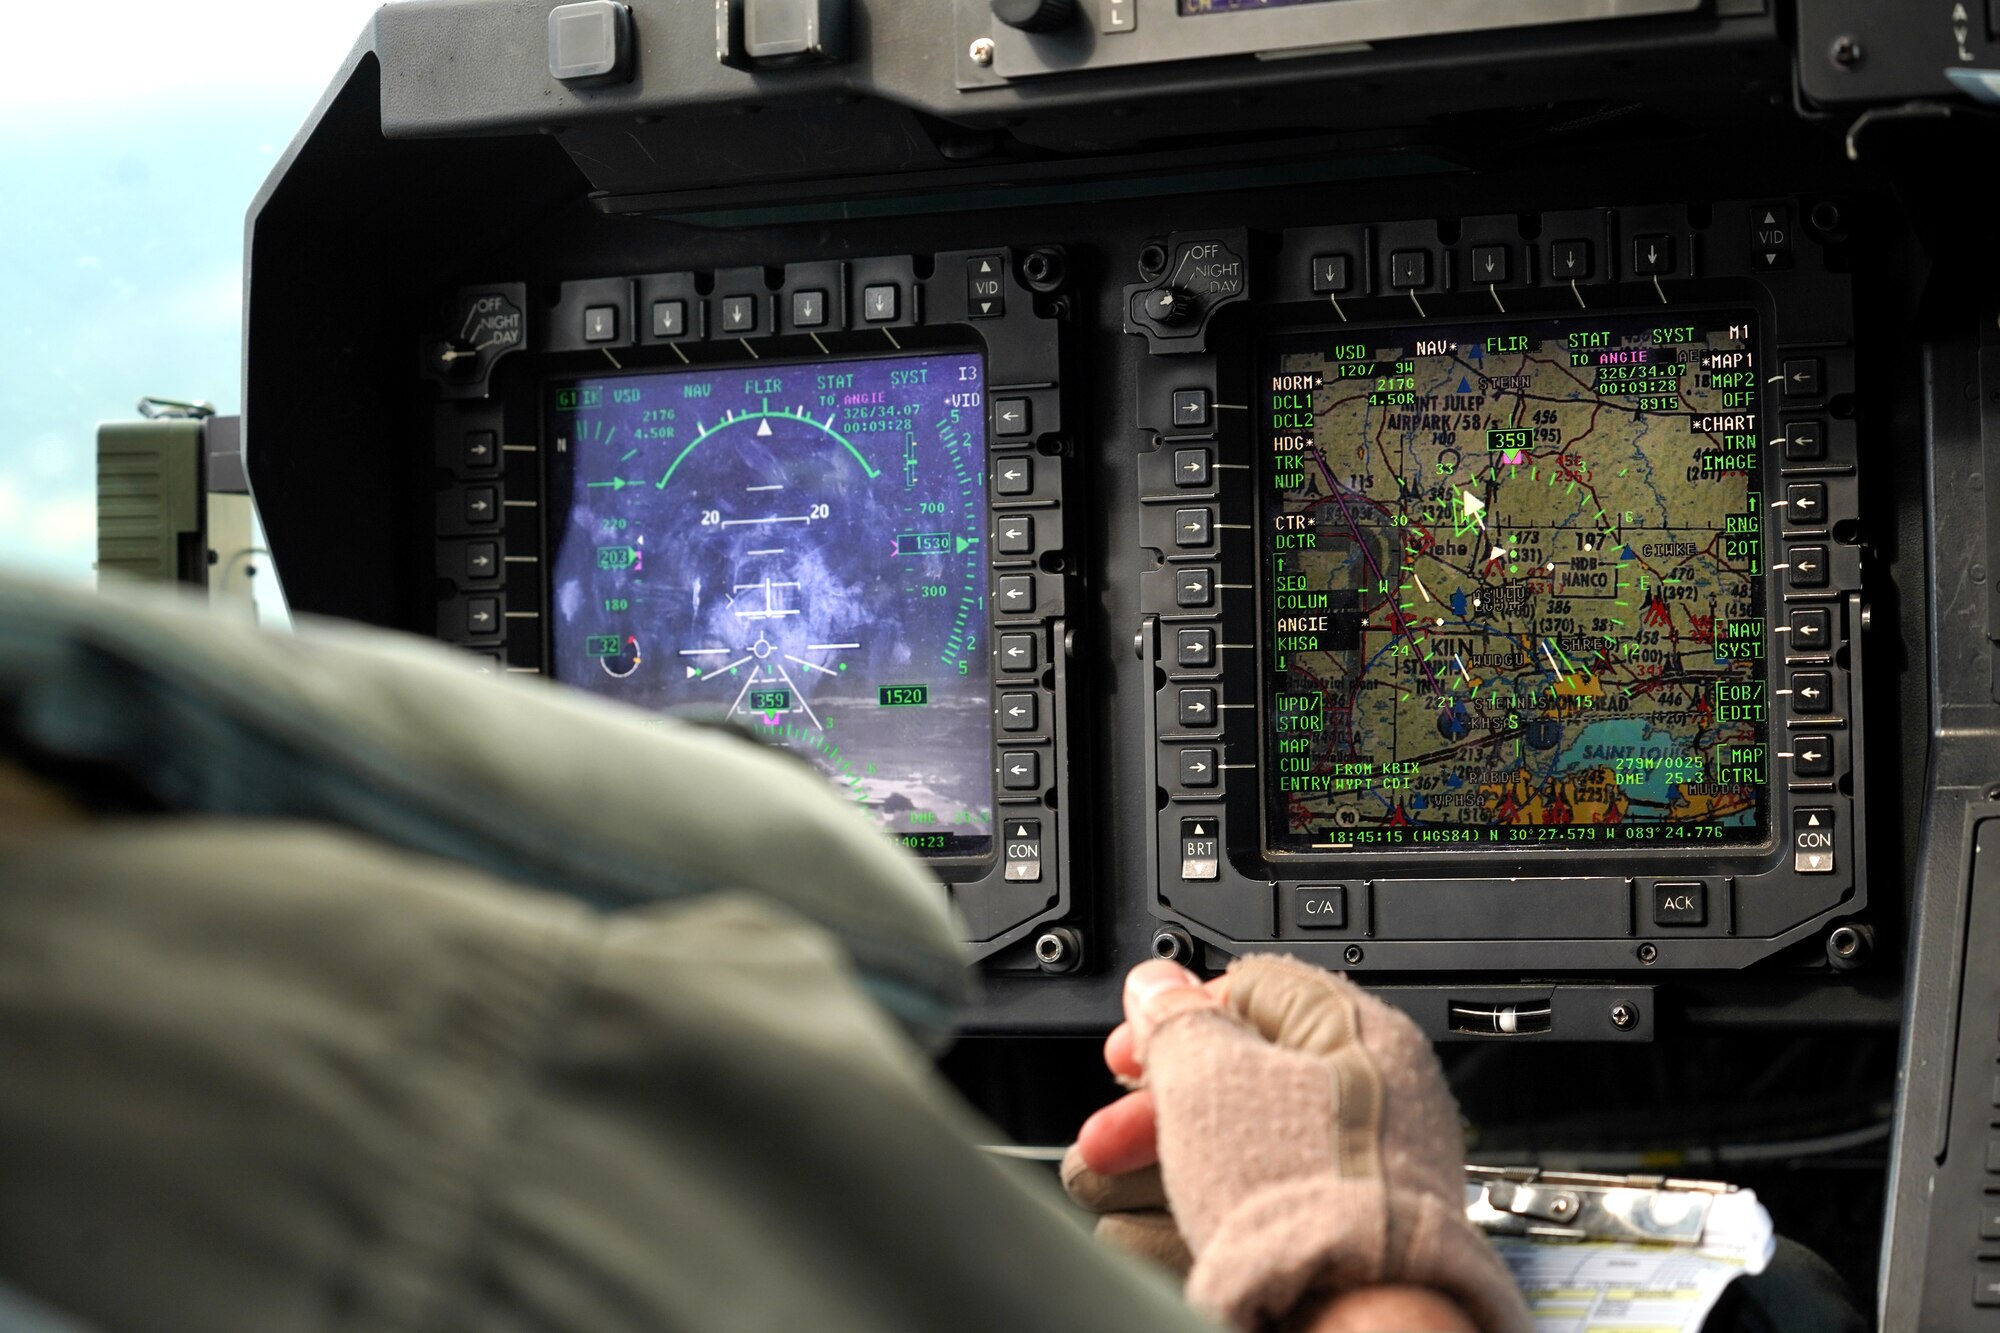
[(1514, 585)]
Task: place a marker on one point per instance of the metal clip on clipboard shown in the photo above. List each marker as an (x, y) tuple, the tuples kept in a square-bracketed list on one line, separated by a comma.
[(1580, 1205), (1618, 1253)]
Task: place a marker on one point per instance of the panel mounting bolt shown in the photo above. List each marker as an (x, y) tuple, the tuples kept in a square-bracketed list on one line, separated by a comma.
[(1059, 949), (1624, 1017), (1845, 52), (982, 51)]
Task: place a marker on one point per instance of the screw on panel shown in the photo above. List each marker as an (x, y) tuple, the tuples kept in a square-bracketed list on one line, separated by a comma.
[(1045, 268), (982, 51), (1847, 946), (1648, 953), (1845, 52), (1173, 944), (1058, 949), (1353, 954), (1624, 1017)]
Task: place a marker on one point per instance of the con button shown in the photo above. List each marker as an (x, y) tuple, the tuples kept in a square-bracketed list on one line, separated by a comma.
[(1023, 841), (1812, 841)]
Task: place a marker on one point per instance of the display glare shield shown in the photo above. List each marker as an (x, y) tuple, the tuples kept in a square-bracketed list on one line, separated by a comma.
[(797, 550), (1513, 585)]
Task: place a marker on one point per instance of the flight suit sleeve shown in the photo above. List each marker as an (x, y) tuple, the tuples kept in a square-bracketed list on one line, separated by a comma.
[(274, 1077)]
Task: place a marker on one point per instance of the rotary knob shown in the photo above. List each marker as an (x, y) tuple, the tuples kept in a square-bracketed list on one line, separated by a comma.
[(1035, 15), (1169, 305)]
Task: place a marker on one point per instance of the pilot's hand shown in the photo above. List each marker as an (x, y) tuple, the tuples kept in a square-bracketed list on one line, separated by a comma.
[(1305, 1139)]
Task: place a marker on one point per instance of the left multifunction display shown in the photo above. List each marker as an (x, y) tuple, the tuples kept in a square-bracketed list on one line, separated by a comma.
[(827, 512), (797, 550)]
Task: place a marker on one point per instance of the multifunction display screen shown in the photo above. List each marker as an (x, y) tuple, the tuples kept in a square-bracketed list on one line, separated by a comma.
[(1513, 583), (798, 550)]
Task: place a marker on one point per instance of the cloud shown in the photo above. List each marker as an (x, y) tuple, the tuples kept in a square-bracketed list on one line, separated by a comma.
[(143, 51), (54, 533), (210, 302)]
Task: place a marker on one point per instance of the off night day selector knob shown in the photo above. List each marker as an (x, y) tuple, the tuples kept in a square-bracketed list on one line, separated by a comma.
[(1169, 305), (1035, 15)]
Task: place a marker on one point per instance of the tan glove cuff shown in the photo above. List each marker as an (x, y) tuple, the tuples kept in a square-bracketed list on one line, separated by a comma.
[(1330, 1234)]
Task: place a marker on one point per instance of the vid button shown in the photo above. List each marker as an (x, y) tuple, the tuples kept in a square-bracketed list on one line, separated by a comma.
[(1812, 841)]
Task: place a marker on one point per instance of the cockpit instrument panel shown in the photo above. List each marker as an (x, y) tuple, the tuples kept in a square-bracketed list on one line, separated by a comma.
[(1502, 588), (827, 504)]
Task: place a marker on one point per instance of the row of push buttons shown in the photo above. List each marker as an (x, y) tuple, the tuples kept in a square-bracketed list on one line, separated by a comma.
[(1196, 708), (1415, 264), (742, 315), (1808, 569), (1572, 259)]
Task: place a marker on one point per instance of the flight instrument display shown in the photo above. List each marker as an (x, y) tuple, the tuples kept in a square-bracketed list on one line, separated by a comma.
[(797, 549), (1514, 585)]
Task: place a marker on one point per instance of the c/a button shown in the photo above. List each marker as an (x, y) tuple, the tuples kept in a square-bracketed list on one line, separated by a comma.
[(1320, 907)]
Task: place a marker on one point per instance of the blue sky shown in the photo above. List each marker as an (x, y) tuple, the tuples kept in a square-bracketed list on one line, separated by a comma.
[(122, 196)]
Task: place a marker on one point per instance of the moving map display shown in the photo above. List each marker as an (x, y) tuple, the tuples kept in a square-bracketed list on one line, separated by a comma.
[(797, 550), (1513, 584)]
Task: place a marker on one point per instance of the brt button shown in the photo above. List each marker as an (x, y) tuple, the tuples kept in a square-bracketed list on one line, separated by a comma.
[(1812, 841), (1201, 850)]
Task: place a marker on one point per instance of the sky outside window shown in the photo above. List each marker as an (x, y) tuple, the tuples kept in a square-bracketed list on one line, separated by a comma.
[(125, 175)]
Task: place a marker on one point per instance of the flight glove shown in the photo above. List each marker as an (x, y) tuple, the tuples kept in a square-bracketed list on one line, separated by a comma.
[(1307, 1144)]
